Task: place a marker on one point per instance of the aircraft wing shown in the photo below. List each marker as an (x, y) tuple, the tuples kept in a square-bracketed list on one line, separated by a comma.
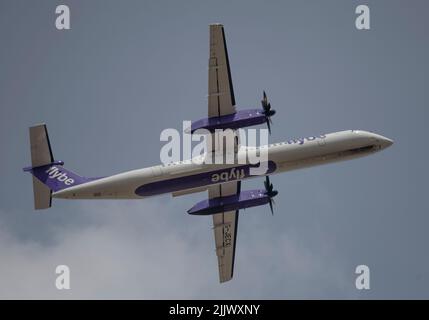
[(221, 102), (225, 230), (221, 99)]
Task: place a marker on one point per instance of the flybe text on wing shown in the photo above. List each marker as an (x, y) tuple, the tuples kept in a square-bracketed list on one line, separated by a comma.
[(54, 173)]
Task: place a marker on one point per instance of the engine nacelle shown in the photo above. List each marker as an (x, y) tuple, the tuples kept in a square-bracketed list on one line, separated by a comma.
[(240, 119), (246, 199)]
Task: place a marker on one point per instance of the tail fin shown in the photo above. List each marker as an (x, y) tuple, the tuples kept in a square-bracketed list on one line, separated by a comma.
[(48, 175)]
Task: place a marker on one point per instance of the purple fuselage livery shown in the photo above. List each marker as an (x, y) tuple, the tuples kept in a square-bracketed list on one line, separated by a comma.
[(199, 180)]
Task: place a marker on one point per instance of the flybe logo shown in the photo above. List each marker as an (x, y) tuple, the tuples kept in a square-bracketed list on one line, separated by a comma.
[(232, 174), (55, 173), (302, 140)]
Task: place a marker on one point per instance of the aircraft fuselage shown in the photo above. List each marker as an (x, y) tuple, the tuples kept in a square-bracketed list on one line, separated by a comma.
[(187, 175)]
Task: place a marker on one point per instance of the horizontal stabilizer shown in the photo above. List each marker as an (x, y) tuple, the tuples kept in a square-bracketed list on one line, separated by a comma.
[(41, 154), (42, 195)]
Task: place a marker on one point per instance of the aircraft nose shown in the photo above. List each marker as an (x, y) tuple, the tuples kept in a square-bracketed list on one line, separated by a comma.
[(385, 142), (381, 141), (388, 142)]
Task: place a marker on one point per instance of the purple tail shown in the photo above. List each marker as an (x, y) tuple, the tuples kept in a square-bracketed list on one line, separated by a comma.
[(56, 177), (48, 175)]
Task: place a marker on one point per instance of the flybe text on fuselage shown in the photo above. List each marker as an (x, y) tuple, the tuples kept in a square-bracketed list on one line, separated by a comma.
[(302, 140), (54, 173), (232, 174)]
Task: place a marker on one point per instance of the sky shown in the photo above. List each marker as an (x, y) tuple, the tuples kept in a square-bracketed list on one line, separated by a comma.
[(126, 70)]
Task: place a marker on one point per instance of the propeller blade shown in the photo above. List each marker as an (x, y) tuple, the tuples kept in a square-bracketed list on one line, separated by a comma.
[(264, 101), (268, 185), (271, 206), (270, 193), (267, 110)]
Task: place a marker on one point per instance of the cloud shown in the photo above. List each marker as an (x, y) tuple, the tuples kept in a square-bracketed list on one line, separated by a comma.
[(150, 250)]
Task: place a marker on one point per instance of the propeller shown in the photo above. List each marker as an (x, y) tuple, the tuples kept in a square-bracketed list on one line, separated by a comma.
[(268, 112), (270, 192)]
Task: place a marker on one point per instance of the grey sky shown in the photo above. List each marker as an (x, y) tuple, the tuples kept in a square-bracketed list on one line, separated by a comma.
[(128, 69)]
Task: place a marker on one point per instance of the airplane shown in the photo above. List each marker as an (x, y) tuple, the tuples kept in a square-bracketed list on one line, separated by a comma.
[(222, 182)]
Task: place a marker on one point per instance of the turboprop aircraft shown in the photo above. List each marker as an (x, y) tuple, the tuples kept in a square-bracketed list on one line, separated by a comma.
[(222, 182)]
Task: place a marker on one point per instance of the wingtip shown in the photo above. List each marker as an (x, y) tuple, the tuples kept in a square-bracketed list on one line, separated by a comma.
[(41, 124), (223, 280)]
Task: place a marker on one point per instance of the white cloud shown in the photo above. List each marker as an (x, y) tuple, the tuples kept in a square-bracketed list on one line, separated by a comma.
[(152, 250)]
